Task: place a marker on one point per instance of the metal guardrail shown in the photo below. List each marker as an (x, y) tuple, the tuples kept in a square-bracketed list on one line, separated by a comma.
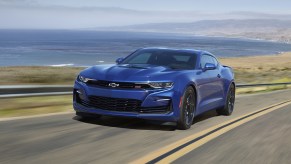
[(35, 94), (7, 91), (260, 85), (53, 90), (22, 89)]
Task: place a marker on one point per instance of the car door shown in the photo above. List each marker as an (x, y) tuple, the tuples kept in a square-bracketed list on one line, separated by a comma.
[(219, 79), (209, 84)]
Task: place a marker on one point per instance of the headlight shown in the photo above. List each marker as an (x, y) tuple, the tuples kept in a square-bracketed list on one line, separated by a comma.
[(83, 79), (161, 84)]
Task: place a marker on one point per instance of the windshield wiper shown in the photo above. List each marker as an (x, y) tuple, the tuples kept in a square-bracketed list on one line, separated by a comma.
[(134, 66)]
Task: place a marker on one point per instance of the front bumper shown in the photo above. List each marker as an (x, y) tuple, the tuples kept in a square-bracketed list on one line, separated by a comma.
[(138, 103)]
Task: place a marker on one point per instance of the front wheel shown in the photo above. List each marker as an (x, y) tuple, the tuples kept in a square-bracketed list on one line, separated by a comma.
[(229, 105), (187, 109)]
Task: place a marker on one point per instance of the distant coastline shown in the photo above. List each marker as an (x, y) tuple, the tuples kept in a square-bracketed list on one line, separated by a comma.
[(278, 30), (82, 48), (189, 34)]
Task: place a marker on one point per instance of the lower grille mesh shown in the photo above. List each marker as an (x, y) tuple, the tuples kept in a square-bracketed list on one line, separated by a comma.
[(120, 104), (114, 103)]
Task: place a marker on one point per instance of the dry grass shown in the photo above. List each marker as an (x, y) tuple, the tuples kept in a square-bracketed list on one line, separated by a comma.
[(38, 75), (12, 107), (261, 69), (259, 63)]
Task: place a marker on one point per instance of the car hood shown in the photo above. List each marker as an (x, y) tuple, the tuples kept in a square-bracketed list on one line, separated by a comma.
[(131, 73)]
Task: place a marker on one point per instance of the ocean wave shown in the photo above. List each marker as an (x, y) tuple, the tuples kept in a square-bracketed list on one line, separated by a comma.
[(62, 65)]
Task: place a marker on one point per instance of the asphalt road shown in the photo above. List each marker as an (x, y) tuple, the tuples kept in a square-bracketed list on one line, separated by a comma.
[(266, 139), (65, 139)]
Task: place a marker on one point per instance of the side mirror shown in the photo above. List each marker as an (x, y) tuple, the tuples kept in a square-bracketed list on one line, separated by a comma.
[(119, 60), (209, 66)]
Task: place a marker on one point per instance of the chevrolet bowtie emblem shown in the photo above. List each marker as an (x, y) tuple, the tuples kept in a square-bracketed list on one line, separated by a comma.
[(113, 85)]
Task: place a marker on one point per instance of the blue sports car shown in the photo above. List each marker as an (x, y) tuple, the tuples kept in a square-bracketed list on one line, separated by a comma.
[(172, 85)]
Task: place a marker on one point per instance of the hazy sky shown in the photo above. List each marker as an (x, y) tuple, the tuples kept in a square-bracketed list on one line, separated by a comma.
[(71, 14)]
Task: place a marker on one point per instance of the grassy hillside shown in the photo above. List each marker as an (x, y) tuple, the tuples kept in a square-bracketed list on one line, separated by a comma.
[(261, 69), (258, 69), (38, 75)]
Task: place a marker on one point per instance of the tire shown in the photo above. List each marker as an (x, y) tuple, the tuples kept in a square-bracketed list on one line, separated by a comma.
[(85, 116), (187, 110), (229, 104)]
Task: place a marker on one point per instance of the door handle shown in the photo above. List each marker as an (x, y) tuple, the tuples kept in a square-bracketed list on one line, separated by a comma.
[(219, 76)]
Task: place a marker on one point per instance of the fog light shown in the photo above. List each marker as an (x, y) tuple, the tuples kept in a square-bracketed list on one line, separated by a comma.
[(80, 94), (163, 99)]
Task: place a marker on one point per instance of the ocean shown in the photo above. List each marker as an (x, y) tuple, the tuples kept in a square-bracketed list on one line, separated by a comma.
[(86, 48)]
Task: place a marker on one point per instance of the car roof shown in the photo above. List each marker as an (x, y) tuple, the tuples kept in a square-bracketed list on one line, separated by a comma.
[(198, 52)]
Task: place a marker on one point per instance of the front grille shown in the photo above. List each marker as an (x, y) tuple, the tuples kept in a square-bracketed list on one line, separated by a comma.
[(115, 104), (124, 85), (119, 104)]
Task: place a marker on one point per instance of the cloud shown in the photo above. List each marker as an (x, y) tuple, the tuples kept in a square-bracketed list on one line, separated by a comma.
[(27, 14), (259, 15), (47, 17), (17, 2)]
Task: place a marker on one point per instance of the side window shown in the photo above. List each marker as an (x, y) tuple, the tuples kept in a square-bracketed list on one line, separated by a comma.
[(214, 61), (207, 59), (204, 60)]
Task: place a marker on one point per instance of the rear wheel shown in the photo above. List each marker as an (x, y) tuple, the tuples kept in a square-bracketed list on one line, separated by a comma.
[(85, 116), (229, 105), (187, 109)]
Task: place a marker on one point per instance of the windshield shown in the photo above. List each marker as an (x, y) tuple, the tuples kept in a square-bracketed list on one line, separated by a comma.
[(171, 58)]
